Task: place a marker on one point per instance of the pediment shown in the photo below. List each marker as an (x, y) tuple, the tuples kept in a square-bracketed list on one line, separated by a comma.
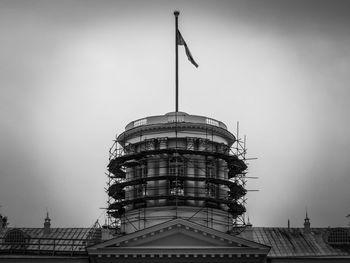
[(179, 235), (178, 238)]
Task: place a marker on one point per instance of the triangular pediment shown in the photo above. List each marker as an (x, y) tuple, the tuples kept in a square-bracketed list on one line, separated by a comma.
[(180, 235), (180, 239)]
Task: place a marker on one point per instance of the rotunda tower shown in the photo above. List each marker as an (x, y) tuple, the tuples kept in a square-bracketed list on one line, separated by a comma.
[(176, 165)]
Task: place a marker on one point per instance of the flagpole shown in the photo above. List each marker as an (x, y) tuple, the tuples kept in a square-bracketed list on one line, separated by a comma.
[(176, 13)]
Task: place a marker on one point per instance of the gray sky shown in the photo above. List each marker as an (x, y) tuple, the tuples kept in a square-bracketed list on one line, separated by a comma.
[(74, 73)]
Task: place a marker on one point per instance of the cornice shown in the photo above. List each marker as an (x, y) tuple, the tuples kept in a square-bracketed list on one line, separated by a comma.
[(179, 126)]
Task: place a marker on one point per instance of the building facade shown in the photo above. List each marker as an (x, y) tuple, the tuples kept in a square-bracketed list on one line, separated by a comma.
[(176, 193)]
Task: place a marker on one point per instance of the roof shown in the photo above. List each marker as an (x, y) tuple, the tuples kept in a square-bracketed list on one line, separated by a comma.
[(294, 242), (58, 241), (284, 242)]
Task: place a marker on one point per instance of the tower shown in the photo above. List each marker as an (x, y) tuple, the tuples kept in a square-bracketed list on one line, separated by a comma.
[(47, 224), (176, 165), (307, 224)]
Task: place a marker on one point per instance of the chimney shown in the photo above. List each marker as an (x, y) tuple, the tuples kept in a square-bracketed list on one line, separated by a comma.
[(47, 224), (307, 224)]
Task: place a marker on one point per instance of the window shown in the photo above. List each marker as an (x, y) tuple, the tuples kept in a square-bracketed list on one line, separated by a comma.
[(141, 190), (176, 187), (141, 172), (144, 171), (211, 171), (176, 167), (211, 190), (177, 170), (172, 170)]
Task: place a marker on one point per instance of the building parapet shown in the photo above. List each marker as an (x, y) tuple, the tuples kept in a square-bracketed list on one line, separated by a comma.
[(172, 117)]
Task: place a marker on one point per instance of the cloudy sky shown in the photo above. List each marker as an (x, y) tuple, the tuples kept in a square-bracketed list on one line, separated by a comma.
[(74, 73)]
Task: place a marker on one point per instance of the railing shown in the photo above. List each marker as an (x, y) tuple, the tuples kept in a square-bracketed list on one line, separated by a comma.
[(170, 118), (205, 191), (48, 246)]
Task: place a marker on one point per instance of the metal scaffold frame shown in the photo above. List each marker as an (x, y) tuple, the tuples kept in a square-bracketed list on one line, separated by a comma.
[(230, 191)]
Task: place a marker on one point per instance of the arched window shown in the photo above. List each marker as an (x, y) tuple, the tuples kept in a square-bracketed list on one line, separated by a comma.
[(211, 169), (176, 169)]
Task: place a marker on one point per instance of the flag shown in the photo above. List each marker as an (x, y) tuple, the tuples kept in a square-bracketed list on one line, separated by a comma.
[(181, 42)]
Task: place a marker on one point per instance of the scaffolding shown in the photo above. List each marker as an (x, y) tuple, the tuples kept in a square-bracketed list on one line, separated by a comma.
[(197, 177)]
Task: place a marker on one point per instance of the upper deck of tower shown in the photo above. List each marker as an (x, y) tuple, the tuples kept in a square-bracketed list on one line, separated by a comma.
[(177, 120), (172, 117)]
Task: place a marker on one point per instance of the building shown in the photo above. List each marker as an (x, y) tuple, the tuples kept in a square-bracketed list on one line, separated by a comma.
[(176, 194), (176, 166)]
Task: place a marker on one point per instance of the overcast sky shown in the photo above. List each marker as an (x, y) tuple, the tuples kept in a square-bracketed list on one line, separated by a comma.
[(73, 74)]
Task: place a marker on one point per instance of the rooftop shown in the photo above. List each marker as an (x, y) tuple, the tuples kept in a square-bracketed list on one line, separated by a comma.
[(172, 117), (60, 241), (295, 242), (284, 242)]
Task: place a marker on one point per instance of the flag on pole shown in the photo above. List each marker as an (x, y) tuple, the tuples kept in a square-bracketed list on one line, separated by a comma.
[(181, 42)]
